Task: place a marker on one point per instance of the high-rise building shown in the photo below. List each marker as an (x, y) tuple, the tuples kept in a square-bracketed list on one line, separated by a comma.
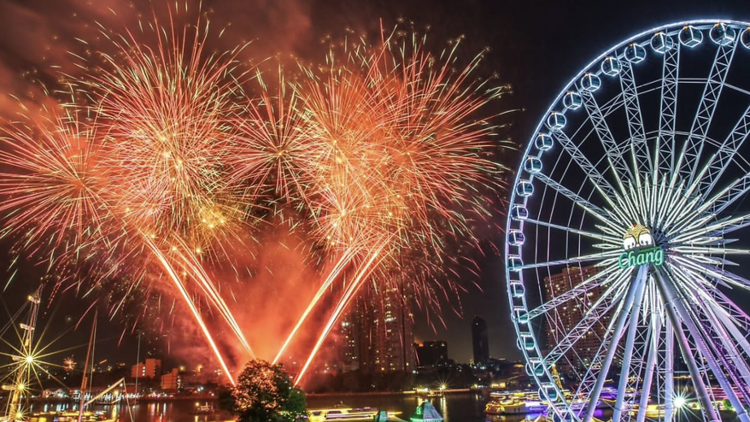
[(171, 380), (151, 368), (566, 317), (377, 333), (349, 343), (479, 340), (432, 353)]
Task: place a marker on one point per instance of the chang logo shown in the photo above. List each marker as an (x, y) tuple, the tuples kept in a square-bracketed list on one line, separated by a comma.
[(639, 250), (637, 237)]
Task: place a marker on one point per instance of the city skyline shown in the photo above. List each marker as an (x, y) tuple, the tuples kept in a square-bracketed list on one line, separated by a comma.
[(491, 303)]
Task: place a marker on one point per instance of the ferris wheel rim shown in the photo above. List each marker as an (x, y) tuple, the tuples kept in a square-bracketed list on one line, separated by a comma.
[(571, 86)]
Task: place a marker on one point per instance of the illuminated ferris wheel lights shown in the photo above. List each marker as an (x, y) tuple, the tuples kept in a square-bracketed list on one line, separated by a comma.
[(722, 34), (517, 289), (520, 315), (745, 38), (590, 82), (611, 66), (519, 213), (690, 36), (524, 188), (634, 53), (661, 42), (544, 142), (515, 263), (516, 237), (533, 165), (642, 254), (572, 100), (556, 121)]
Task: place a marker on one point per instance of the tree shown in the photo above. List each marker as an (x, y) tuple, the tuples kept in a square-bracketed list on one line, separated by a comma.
[(264, 393)]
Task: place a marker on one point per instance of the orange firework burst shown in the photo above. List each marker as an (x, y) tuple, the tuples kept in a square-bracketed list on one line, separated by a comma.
[(51, 183), (166, 116), (382, 157), (400, 153)]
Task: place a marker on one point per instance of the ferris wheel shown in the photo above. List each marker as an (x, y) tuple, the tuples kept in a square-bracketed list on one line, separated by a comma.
[(627, 243)]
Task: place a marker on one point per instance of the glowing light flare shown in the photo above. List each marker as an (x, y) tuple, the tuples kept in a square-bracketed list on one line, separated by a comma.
[(188, 301)]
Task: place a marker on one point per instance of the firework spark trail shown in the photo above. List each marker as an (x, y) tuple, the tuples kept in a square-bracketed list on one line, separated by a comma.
[(190, 263), (50, 182), (378, 155), (272, 150), (332, 275), (186, 297), (362, 273), (166, 113)]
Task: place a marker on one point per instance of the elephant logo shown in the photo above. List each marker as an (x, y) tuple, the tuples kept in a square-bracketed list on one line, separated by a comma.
[(637, 236)]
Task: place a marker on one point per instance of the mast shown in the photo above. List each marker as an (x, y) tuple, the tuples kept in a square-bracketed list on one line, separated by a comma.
[(13, 410), (89, 358)]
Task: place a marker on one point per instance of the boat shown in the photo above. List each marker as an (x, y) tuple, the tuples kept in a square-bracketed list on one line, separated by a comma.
[(428, 393), (342, 412), (518, 403), (203, 409), (70, 417), (426, 412)]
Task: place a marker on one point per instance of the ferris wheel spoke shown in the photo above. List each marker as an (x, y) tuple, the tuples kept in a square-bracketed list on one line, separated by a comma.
[(638, 146), (634, 296), (721, 330), (737, 190), (629, 348), (601, 184), (614, 155), (665, 141), (711, 270), (726, 152), (607, 276), (598, 236), (605, 258), (648, 375), (586, 205), (721, 227), (710, 337), (690, 157), (686, 206), (715, 205), (709, 250), (727, 307), (593, 316), (676, 313), (669, 353)]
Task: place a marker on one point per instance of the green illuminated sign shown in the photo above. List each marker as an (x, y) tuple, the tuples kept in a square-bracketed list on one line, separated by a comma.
[(638, 257)]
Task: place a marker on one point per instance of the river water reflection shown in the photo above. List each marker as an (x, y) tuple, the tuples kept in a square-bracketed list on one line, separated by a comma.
[(465, 407), (453, 407)]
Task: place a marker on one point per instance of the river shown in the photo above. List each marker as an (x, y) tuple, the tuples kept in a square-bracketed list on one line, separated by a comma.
[(463, 407)]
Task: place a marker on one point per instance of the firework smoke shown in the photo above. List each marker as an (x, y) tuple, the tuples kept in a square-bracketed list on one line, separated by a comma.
[(172, 161)]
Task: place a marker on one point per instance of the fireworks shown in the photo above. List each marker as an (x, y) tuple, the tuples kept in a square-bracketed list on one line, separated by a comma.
[(183, 157)]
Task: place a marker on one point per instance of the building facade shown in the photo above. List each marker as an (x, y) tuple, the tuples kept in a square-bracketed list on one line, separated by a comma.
[(431, 353), (564, 318), (480, 340), (171, 380), (377, 333), (151, 368)]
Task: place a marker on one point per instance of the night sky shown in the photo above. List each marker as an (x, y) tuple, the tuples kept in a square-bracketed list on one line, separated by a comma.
[(534, 46)]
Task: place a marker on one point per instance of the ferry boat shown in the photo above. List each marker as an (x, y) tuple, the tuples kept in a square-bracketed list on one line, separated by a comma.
[(519, 403), (69, 416), (345, 413)]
